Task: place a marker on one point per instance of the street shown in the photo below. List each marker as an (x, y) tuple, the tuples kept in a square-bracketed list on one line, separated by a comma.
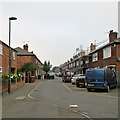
[(52, 98)]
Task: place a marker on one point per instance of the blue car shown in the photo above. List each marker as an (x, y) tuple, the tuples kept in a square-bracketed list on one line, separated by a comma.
[(100, 78)]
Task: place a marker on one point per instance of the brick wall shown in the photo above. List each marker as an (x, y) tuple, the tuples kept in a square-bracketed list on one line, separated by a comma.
[(5, 60), (15, 85), (118, 55), (23, 59), (104, 62)]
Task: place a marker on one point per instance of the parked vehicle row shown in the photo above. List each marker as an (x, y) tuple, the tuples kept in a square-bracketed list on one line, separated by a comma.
[(67, 76), (95, 78)]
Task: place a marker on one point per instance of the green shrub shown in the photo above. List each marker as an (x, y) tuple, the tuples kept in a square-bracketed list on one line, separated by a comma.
[(12, 77), (4, 78)]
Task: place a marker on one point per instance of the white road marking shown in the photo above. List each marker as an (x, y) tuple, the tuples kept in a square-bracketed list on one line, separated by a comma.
[(29, 95), (67, 87), (86, 116)]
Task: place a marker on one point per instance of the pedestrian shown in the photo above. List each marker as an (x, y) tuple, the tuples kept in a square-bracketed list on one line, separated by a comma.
[(42, 76)]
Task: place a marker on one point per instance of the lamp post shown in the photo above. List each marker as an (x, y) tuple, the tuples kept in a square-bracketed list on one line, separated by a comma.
[(9, 82)]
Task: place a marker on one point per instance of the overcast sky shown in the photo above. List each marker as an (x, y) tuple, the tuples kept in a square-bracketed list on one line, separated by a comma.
[(53, 31)]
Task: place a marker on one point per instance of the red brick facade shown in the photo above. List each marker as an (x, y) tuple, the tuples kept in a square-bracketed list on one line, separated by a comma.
[(111, 61), (23, 59), (5, 59), (103, 62), (24, 56), (4, 63)]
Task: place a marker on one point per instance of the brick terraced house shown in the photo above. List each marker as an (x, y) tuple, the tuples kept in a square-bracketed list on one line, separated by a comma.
[(24, 56), (4, 59), (107, 56), (4, 67)]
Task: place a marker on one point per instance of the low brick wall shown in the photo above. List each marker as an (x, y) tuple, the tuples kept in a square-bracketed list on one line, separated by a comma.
[(13, 86), (17, 84)]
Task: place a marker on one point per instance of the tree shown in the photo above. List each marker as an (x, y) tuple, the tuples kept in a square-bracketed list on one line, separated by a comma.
[(46, 66), (27, 67), (54, 68)]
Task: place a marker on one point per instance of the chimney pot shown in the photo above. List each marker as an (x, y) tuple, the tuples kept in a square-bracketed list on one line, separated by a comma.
[(92, 47), (111, 31), (25, 47), (112, 36)]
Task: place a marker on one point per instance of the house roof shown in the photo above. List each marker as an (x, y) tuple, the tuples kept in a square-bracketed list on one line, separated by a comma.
[(23, 52), (117, 41), (7, 45)]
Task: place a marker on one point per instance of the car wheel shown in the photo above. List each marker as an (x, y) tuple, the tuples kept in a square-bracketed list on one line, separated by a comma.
[(77, 85), (115, 86), (108, 88), (88, 89)]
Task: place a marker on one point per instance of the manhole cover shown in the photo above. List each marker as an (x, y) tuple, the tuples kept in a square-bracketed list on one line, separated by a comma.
[(20, 98)]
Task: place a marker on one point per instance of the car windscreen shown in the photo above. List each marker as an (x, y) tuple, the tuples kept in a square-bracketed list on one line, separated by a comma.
[(95, 75)]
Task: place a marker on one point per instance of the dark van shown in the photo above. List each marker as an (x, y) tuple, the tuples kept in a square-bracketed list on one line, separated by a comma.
[(100, 79)]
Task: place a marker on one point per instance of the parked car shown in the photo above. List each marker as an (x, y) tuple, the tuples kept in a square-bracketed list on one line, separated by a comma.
[(100, 79), (67, 76), (49, 76), (80, 81), (73, 80), (59, 74)]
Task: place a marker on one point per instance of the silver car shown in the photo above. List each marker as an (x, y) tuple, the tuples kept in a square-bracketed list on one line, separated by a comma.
[(73, 80)]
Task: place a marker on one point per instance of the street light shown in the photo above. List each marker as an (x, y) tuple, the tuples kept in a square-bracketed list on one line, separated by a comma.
[(10, 18)]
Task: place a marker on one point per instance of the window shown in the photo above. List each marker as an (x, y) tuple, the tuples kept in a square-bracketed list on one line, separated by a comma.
[(69, 65), (95, 57), (87, 61), (77, 63), (107, 52), (0, 69), (74, 64), (81, 62), (13, 55), (0, 49)]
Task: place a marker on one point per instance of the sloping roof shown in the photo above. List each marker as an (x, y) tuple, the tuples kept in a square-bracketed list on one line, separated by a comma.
[(7, 45), (21, 51), (117, 41)]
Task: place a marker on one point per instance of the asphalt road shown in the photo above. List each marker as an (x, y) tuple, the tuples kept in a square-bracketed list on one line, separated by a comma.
[(51, 99)]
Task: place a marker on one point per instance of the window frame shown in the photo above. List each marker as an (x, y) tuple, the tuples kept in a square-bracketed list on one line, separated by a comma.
[(95, 57), (1, 48), (13, 55), (107, 52), (0, 69)]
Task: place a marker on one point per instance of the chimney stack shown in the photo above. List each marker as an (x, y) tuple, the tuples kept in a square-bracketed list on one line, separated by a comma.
[(92, 47), (25, 47), (71, 59), (112, 36), (31, 52)]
